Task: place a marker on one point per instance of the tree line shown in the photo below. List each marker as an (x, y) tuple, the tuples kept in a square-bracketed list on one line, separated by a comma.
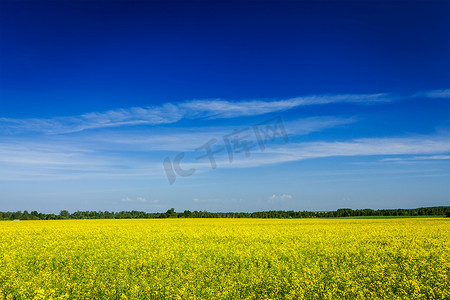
[(280, 214)]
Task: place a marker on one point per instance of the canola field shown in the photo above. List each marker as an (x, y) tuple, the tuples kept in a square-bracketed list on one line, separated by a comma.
[(226, 259)]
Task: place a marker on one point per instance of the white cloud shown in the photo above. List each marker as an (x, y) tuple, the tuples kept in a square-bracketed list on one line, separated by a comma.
[(138, 199), (206, 200), (286, 196), (141, 199), (274, 198)]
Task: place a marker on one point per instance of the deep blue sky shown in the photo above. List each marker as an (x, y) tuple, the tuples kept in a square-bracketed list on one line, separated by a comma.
[(61, 60)]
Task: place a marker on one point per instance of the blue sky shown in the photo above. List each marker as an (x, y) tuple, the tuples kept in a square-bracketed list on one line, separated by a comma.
[(96, 95)]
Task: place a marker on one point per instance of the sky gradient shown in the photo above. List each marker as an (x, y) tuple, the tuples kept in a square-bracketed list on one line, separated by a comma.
[(96, 95)]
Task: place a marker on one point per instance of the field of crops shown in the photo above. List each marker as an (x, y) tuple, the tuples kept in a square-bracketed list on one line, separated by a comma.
[(225, 259)]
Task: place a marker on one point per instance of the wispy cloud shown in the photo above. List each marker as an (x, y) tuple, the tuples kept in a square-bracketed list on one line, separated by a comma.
[(26, 162), (444, 93), (370, 146), (230, 109), (55, 160), (94, 153), (169, 113), (165, 114), (173, 112), (416, 158), (108, 155), (417, 145), (187, 139)]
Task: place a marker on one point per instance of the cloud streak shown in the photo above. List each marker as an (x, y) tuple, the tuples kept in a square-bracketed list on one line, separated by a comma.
[(418, 158), (31, 161), (187, 139), (417, 145), (128, 153), (170, 113), (173, 112), (444, 93)]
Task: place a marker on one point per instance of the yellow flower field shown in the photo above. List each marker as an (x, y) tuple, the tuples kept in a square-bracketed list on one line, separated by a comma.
[(226, 259)]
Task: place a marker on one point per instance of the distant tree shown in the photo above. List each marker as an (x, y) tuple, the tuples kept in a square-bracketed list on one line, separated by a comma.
[(170, 213), (17, 215), (64, 214), (342, 212), (26, 216), (51, 217)]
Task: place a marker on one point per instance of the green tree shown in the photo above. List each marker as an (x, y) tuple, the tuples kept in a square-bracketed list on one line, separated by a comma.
[(64, 214), (170, 213)]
